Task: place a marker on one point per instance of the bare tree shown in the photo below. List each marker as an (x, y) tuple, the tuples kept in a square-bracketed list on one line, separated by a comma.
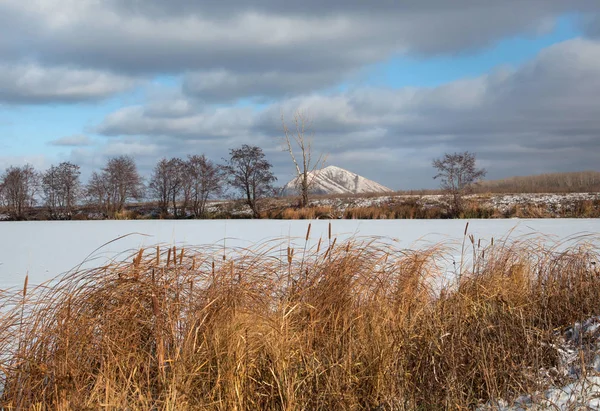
[(125, 183), (19, 187), (205, 179), (97, 192), (118, 183), (250, 173), (457, 173), (306, 170), (61, 189), (159, 185), (176, 168), (187, 187)]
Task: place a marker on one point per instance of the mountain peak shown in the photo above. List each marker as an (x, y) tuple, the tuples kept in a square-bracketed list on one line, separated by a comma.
[(336, 180)]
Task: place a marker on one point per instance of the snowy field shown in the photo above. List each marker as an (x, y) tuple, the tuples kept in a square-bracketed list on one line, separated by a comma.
[(46, 249)]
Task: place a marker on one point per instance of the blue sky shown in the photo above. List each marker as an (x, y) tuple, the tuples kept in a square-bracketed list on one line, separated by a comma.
[(378, 82), (402, 71)]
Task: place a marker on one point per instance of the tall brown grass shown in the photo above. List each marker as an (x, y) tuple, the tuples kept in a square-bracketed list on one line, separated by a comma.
[(354, 325), (571, 182), (306, 213)]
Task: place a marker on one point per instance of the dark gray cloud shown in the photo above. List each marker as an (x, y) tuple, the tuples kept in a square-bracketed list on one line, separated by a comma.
[(156, 36), (539, 117), (592, 25), (35, 84), (256, 49)]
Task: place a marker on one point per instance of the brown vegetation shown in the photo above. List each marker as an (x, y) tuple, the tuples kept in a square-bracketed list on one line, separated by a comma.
[(576, 182), (293, 213), (341, 326)]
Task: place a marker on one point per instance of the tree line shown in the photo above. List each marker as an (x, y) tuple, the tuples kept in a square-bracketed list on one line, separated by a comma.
[(180, 187)]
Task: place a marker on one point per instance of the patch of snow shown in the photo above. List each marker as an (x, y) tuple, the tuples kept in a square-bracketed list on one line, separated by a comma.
[(504, 202)]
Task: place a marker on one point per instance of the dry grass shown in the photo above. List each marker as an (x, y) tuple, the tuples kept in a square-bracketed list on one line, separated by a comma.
[(571, 182), (341, 326), (307, 213), (409, 210)]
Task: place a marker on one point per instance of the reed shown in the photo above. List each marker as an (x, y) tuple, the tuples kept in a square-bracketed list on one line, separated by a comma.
[(360, 325)]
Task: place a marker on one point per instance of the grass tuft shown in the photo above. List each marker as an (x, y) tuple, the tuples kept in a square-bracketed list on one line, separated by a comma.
[(360, 325)]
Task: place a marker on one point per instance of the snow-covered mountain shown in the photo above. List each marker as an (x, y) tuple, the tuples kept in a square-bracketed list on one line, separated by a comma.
[(336, 180)]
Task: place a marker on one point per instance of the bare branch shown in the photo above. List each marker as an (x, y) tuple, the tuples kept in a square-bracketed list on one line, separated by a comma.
[(306, 173)]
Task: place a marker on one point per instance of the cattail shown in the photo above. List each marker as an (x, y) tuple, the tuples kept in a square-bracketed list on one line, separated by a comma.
[(308, 231), (168, 256), (319, 245), (492, 241), (155, 305), (466, 228), (157, 255), (68, 308), (25, 286), (334, 241), (472, 238), (330, 230), (138, 258), (181, 257), (193, 263), (174, 255), (479, 243), (213, 268)]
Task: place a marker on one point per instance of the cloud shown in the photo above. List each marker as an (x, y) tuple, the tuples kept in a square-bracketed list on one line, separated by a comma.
[(72, 141), (592, 25), (157, 120), (261, 36), (35, 84), (230, 50), (538, 117), (221, 85)]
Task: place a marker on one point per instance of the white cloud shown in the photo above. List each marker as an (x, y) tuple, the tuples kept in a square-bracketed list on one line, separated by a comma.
[(72, 141), (542, 114), (35, 84)]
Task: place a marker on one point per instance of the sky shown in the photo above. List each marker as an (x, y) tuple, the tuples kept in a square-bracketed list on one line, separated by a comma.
[(388, 85)]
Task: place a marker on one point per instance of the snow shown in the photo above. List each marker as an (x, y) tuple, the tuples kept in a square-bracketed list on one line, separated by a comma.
[(580, 342), (582, 394), (503, 202), (336, 180), (48, 248)]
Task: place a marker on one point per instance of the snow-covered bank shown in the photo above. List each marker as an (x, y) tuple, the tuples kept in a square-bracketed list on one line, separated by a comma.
[(46, 249), (578, 351)]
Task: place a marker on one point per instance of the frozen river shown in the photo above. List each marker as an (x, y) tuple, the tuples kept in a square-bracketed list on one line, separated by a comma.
[(46, 249)]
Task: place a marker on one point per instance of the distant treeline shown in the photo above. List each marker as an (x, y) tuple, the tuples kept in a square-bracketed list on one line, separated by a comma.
[(180, 187), (575, 182)]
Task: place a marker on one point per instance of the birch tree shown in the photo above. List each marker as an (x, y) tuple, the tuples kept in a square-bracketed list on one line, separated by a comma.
[(299, 145)]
